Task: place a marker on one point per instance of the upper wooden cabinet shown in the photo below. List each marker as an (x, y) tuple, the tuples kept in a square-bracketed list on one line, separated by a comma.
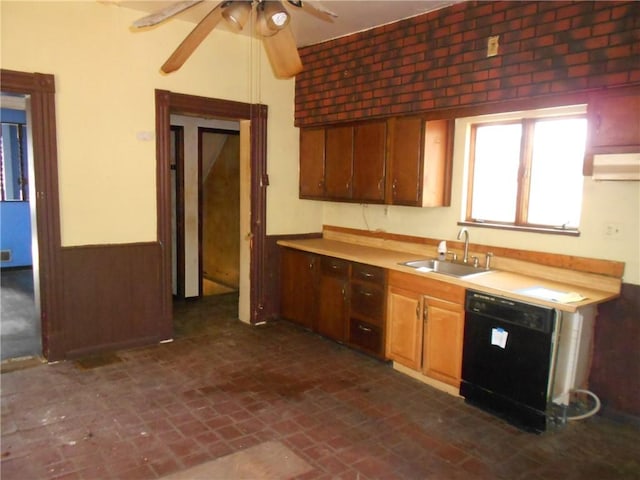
[(338, 162), (419, 161), (312, 163), (614, 121), (399, 161), (369, 154), (613, 124)]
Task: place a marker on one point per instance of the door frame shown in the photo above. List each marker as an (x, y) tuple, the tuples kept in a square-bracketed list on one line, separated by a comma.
[(178, 153), (168, 103), (40, 88)]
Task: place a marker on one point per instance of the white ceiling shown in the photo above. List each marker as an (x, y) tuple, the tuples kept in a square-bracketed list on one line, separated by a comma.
[(353, 15)]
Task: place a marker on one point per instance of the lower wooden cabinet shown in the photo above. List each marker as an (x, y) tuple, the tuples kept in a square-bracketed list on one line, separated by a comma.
[(333, 303), (299, 286), (367, 308), (425, 326), (442, 343), (404, 327), (342, 300)]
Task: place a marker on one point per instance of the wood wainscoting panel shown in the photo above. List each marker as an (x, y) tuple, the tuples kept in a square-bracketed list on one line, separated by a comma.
[(112, 298), (615, 369)]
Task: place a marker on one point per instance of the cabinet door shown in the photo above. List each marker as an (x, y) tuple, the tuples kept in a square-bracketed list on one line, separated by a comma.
[(404, 327), (420, 160), (443, 332), (312, 163), (369, 154), (438, 156), (614, 121), (298, 285), (333, 301), (405, 161), (338, 162)]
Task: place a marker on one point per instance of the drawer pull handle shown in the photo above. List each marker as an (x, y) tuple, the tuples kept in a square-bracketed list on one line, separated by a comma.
[(364, 329), (367, 275), (366, 294)]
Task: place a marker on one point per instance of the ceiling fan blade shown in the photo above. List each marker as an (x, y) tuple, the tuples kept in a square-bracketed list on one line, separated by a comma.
[(283, 54), (191, 42), (317, 11), (165, 13)]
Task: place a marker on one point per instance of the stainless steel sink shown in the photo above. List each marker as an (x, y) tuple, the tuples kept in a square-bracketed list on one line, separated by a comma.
[(444, 267)]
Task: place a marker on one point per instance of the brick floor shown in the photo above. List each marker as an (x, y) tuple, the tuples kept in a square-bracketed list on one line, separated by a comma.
[(223, 386)]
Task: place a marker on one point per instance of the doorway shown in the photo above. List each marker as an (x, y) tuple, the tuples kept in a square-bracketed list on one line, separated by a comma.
[(20, 330), (219, 207), (39, 92), (253, 121)]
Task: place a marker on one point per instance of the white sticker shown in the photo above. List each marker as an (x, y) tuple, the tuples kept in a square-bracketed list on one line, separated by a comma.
[(499, 337)]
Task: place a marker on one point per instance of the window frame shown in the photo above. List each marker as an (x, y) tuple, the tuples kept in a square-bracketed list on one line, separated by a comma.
[(528, 121)]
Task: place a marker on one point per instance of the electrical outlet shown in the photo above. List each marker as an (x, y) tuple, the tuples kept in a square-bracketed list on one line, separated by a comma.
[(613, 230), (492, 46)]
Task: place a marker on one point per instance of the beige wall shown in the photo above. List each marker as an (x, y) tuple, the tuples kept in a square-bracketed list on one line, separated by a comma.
[(105, 81)]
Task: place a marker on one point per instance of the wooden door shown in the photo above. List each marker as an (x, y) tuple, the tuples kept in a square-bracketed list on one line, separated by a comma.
[(339, 162), (443, 332), (333, 303), (405, 170), (311, 163), (404, 327), (299, 274), (369, 155), (614, 120)]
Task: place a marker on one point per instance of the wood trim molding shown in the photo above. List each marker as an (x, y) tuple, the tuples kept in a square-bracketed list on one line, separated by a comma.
[(609, 268), (41, 89), (168, 103)]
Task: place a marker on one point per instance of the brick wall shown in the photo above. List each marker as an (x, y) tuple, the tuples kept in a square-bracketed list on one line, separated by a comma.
[(438, 60)]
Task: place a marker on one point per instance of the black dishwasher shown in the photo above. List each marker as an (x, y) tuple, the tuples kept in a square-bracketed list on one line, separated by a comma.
[(507, 358)]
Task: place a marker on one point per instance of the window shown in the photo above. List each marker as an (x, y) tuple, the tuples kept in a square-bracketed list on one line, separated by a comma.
[(527, 173), (13, 165)]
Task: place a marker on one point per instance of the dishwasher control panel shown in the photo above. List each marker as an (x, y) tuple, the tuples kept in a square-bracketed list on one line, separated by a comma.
[(526, 315)]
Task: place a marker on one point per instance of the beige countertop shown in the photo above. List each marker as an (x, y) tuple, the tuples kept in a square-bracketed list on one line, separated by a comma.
[(497, 282)]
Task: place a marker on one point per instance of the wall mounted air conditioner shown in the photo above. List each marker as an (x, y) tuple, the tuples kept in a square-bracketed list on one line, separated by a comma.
[(618, 166)]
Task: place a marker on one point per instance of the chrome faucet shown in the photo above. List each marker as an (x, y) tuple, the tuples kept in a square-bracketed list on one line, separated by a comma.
[(465, 258)]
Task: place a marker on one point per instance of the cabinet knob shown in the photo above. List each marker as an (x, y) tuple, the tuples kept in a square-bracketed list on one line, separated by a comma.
[(363, 328)]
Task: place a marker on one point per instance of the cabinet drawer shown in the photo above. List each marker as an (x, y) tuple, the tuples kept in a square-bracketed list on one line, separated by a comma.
[(335, 267), (427, 286), (368, 273), (367, 300), (366, 336)]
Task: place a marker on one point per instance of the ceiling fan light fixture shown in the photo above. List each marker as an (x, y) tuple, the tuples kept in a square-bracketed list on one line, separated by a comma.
[(274, 16), (237, 13)]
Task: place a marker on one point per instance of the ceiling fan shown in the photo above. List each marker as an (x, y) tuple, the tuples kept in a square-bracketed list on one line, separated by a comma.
[(271, 20)]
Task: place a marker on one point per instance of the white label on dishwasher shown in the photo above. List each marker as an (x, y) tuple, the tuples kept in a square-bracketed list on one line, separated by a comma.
[(499, 337)]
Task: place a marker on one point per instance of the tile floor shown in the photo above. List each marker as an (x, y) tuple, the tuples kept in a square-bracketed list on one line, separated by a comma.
[(20, 326), (222, 387)]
